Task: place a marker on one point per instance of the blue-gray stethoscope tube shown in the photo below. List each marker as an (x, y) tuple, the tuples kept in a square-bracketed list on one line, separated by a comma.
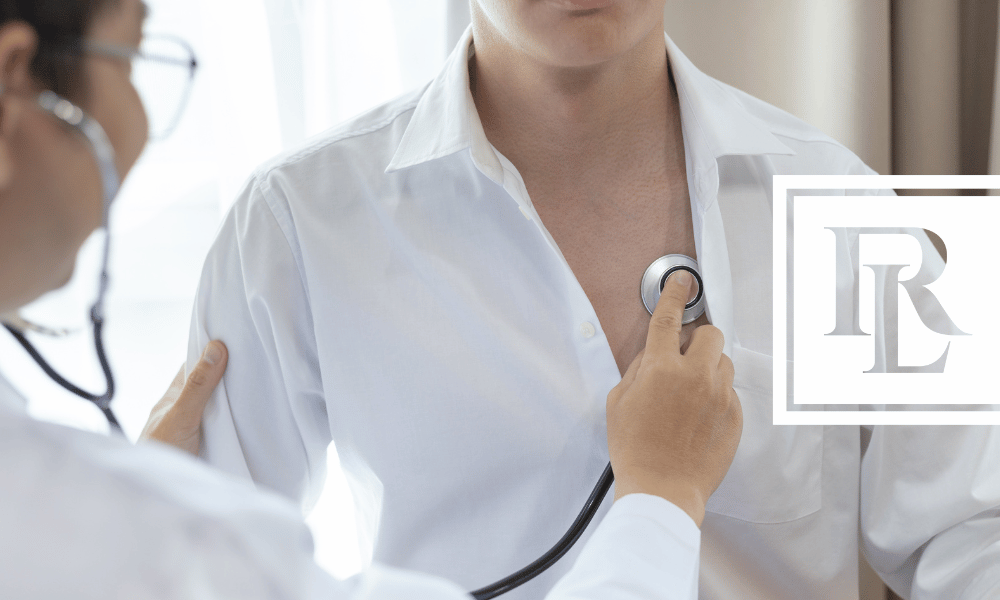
[(104, 156)]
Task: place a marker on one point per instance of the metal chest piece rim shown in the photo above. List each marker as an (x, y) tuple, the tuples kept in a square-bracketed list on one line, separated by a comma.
[(656, 275)]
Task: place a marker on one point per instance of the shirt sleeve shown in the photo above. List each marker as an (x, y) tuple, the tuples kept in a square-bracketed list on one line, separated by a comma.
[(93, 518), (267, 419), (252, 546), (929, 510), (644, 549), (930, 503)]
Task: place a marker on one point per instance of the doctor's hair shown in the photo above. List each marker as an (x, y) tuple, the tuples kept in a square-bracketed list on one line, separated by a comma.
[(60, 26)]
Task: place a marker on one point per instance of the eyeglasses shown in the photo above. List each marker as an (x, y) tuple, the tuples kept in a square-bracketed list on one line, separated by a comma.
[(162, 72)]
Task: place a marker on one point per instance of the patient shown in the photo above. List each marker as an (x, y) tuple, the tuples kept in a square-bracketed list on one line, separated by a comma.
[(447, 288)]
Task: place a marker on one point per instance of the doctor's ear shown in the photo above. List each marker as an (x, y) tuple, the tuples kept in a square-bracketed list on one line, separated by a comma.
[(18, 44)]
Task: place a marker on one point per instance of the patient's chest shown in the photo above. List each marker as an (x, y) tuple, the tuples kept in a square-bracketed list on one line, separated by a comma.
[(609, 246)]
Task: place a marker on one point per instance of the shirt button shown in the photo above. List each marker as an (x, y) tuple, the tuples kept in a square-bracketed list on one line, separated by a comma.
[(587, 329)]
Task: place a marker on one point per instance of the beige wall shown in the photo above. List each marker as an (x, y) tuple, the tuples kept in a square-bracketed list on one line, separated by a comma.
[(908, 85), (825, 62)]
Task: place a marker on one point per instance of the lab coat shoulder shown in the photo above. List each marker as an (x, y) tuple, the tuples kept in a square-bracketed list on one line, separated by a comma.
[(163, 525), (91, 517)]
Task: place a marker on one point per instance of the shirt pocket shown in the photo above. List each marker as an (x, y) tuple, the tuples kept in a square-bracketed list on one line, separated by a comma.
[(776, 475)]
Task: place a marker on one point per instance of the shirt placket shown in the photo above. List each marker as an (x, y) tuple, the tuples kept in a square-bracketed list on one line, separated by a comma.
[(713, 253), (599, 368)]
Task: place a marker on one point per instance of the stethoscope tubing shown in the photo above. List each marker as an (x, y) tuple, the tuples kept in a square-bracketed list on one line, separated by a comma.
[(103, 401), (104, 155), (559, 549), (649, 290)]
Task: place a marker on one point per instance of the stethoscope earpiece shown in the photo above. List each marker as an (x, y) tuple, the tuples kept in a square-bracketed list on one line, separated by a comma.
[(656, 276)]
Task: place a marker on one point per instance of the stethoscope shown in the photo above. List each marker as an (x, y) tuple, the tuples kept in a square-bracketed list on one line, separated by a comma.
[(650, 289), (104, 155)]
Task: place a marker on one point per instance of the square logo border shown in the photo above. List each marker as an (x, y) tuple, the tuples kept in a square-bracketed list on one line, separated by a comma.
[(781, 186)]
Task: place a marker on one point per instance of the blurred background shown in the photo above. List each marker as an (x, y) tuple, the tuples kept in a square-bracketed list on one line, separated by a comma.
[(908, 85)]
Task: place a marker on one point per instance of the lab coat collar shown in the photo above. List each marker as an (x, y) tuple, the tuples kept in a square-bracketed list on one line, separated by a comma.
[(446, 121)]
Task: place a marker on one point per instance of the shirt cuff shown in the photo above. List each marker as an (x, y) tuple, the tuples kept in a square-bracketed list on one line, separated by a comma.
[(662, 510)]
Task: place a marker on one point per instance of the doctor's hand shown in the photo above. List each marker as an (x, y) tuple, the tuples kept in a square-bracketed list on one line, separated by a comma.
[(674, 420), (176, 418)]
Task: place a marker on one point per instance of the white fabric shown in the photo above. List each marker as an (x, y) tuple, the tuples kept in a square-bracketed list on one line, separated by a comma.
[(389, 286), (90, 517)]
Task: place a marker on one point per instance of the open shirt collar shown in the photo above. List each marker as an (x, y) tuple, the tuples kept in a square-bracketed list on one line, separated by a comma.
[(714, 122)]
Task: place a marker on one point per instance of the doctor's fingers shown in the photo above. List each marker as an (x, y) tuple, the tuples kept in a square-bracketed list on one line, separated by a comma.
[(209, 370), (727, 370), (176, 418), (626, 382), (690, 328), (202, 381), (166, 402), (706, 345), (633, 368), (175, 386), (664, 336)]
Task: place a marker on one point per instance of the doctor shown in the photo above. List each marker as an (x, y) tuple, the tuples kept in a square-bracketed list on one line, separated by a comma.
[(91, 517)]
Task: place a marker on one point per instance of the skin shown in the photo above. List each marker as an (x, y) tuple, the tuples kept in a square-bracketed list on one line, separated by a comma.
[(578, 95), (582, 102), (579, 85), (674, 421), (50, 190)]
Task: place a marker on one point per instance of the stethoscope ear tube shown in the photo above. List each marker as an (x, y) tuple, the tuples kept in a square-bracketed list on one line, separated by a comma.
[(556, 552), (104, 155), (103, 401)]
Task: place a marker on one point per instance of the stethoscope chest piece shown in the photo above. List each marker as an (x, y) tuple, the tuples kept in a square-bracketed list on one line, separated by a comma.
[(656, 275)]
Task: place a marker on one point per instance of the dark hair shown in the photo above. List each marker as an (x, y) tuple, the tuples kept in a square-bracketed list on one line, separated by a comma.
[(60, 25)]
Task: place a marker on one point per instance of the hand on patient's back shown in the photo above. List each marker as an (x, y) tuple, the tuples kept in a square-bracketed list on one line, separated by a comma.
[(176, 418), (674, 420)]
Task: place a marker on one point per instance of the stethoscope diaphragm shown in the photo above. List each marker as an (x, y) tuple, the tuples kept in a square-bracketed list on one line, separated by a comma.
[(656, 275)]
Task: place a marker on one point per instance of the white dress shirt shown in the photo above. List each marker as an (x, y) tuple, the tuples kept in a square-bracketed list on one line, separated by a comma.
[(389, 286), (89, 517)]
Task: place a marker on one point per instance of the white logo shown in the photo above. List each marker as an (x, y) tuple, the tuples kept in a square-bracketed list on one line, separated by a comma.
[(887, 280), (868, 314)]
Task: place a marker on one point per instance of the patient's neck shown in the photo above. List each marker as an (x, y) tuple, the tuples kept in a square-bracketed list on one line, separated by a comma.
[(562, 127)]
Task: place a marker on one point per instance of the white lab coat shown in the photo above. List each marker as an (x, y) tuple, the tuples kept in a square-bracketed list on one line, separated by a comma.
[(389, 286), (89, 517)]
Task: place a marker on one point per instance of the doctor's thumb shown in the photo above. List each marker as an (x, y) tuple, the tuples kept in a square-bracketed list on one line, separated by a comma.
[(206, 374), (176, 418)]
